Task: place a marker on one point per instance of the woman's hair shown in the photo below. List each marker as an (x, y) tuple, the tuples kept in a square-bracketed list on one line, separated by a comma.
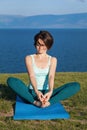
[(46, 37)]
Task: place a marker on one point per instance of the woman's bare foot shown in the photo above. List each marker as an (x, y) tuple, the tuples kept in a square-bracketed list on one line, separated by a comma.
[(46, 104), (37, 103)]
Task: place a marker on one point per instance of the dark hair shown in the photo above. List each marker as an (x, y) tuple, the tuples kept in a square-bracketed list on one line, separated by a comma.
[(46, 37)]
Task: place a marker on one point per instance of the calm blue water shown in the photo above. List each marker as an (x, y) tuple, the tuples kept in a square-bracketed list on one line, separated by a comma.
[(70, 48)]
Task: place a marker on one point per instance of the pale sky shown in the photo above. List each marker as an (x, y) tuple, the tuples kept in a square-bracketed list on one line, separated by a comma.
[(37, 7)]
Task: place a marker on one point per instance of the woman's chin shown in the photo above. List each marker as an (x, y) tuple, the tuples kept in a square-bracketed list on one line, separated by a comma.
[(40, 52)]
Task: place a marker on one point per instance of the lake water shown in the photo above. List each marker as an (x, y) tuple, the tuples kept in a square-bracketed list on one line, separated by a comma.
[(70, 48)]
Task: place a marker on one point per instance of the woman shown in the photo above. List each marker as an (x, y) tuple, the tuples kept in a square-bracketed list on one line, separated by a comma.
[(41, 69)]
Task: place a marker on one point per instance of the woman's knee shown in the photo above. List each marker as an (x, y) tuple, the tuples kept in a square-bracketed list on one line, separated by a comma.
[(77, 85), (9, 80), (74, 85), (12, 80)]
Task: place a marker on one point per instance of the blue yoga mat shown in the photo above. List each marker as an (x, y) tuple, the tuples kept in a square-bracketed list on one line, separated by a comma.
[(25, 111)]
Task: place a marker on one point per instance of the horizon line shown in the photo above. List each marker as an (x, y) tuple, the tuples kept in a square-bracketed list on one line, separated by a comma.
[(41, 14)]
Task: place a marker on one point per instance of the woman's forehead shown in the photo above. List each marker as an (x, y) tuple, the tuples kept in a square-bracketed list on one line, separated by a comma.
[(40, 41)]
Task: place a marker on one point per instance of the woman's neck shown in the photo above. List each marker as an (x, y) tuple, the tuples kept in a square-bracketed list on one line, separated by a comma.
[(41, 55)]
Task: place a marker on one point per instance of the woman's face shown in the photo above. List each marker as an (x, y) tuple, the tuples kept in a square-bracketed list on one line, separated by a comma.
[(41, 47)]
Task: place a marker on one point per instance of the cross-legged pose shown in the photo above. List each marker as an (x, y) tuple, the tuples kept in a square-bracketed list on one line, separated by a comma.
[(41, 69)]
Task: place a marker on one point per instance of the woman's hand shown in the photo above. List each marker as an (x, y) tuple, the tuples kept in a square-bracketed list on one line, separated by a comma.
[(40, 96), (47, 96)]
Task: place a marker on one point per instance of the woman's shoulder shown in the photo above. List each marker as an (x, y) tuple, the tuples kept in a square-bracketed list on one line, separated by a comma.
[(28, 57), (53, 58)]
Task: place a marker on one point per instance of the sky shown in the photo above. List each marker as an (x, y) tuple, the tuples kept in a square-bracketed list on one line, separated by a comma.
[(38, 7)]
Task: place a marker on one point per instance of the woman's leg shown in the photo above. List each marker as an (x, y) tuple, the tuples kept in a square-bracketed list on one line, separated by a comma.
[(64, 92), (20, 89)]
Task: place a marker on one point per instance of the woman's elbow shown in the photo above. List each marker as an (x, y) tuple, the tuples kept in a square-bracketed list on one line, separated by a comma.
[(51, 77)]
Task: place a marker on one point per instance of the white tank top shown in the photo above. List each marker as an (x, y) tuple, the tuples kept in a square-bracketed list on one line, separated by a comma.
[(41, 75)]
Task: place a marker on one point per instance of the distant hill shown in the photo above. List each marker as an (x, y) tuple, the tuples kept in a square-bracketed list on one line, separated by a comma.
[(44, 21)]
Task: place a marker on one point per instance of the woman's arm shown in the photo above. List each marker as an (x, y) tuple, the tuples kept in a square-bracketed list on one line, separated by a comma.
[(28, 62), (51, 78), (52, 73)]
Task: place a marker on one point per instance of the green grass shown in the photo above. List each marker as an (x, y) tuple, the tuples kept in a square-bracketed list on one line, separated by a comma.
[(76, 105)]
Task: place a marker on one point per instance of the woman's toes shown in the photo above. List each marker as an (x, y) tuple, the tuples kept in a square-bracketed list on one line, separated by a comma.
[(46, 104), (37, 103)]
